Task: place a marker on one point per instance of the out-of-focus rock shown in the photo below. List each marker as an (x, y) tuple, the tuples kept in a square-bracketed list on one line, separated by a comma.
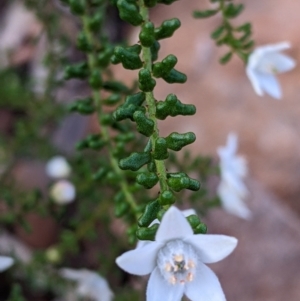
[(44, 230), (266, 263), (18, 25)]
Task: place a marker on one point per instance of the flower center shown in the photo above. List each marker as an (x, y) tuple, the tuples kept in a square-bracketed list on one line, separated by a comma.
[(177, 262)]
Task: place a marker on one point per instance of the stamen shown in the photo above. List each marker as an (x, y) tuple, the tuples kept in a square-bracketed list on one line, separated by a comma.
[(168, 267), (178, 258), (191, 264), (172, 280), (177, 262), (190, 277)]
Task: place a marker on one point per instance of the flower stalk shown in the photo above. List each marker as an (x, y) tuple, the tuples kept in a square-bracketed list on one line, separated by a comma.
[(151, 105)]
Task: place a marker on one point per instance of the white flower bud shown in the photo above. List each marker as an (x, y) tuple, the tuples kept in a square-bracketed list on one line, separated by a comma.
[(58, 167), (63, 192)]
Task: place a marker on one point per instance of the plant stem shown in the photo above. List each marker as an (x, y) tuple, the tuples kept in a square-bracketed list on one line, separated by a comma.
[(151, 104)]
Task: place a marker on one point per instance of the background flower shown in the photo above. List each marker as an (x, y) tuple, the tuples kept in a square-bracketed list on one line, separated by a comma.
[(63, 192), (232, 190), (5, 263), (89, 284), (264, 63), (58, 167)]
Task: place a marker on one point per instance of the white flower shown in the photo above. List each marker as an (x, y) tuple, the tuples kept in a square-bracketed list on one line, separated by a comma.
[(264, 63), (232, 191), (58, 167), (63, 192), (89, 284), (176, 261), (5, 263)]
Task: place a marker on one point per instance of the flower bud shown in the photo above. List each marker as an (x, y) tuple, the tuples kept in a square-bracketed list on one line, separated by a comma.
[(63, 192), (58, 167), (53, 255)]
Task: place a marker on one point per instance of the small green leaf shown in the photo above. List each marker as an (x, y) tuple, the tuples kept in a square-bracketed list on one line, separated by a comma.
[(218, 32), (200, 14), (226, 58)]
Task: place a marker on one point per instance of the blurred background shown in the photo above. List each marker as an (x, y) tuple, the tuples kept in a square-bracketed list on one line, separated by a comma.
[(266, 264)]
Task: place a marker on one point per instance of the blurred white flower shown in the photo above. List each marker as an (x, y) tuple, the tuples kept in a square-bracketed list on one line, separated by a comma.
[(264, 63), (89, 284), (58, 167), (63, 192), (176, 261), (5, 263), (232, 190)]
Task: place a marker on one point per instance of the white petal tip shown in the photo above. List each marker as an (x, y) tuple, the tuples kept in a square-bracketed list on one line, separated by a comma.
[(5, 263)]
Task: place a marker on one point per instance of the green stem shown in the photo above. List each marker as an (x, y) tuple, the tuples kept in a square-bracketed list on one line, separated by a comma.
[(104, 129), (230, 29), (151, 104)]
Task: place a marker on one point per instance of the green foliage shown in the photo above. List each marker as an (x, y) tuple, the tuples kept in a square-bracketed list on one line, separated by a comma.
[(82, 106), (150, 213), (135, 161), (173, 107), (179, 181), (146, 82), (144, 125), (146, 35), (200, 14), (160, 149), (236, 38), (129, 57), (165, 70), (131, 105), (166, 29), (147, 179), (176, 141), (147, 233), (166, 198), (129, 12), (79, 70)]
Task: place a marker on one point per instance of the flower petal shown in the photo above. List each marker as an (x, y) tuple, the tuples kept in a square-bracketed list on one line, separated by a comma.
[(252, 75), (173, 225), (266, 49), (232, 181), (269, 84), (5, 263), (140, 261), (232, 201), (212, 248), (279, 62), (72, 274), (188, 212), (159, 289), (205, 286)]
